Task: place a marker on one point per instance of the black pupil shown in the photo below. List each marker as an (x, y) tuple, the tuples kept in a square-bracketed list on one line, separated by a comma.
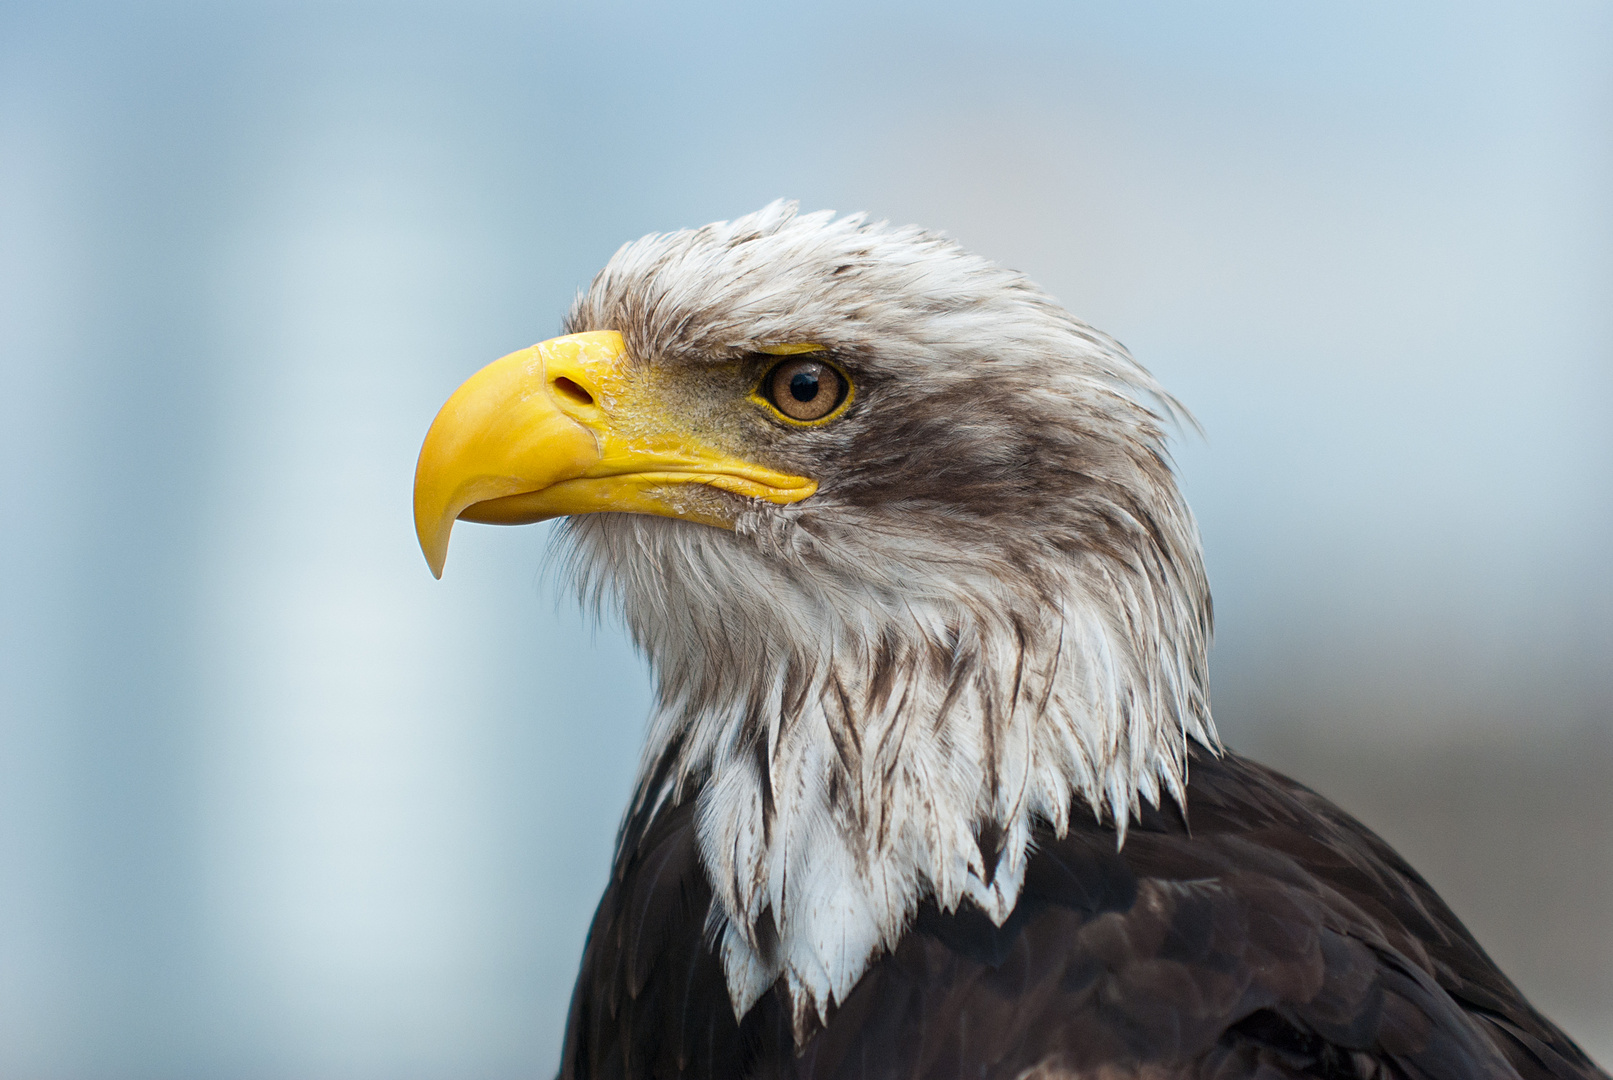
[(804, 386)]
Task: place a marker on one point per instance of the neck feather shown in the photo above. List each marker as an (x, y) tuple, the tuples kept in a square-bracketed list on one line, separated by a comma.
[(853, 755)]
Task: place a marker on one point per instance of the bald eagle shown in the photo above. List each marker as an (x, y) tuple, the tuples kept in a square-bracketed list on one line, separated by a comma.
[(931, 785)]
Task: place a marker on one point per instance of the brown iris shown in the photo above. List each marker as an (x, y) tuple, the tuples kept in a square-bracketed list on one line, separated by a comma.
[(805, 389)]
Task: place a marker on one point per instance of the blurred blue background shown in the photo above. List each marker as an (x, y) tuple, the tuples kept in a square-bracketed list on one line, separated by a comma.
[(276, 804)]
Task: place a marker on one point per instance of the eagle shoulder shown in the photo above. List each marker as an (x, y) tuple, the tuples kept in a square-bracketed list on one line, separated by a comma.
[(1277, 936)]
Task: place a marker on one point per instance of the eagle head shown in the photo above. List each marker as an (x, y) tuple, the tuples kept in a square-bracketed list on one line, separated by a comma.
[(901, 541)]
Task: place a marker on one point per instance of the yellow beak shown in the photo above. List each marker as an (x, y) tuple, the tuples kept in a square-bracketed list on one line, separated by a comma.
[(563, 428)]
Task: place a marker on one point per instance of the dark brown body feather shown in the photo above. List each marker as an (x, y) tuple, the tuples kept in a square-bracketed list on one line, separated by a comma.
[(1278, 937)]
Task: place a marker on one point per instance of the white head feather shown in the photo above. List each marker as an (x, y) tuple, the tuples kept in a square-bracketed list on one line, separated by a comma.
[(993, 611)]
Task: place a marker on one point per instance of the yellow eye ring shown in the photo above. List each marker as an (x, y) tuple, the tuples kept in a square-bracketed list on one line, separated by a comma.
[(804, 391)]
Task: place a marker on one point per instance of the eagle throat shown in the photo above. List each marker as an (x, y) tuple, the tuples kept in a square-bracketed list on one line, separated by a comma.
[(855, 746)]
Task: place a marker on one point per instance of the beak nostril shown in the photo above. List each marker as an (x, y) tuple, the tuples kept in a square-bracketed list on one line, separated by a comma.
[(572, 392)]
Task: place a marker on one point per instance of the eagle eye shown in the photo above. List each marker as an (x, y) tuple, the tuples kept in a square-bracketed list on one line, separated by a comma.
[(805, 389)]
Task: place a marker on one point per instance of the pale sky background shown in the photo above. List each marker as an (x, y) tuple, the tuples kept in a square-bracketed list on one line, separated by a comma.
[(275, 804)]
